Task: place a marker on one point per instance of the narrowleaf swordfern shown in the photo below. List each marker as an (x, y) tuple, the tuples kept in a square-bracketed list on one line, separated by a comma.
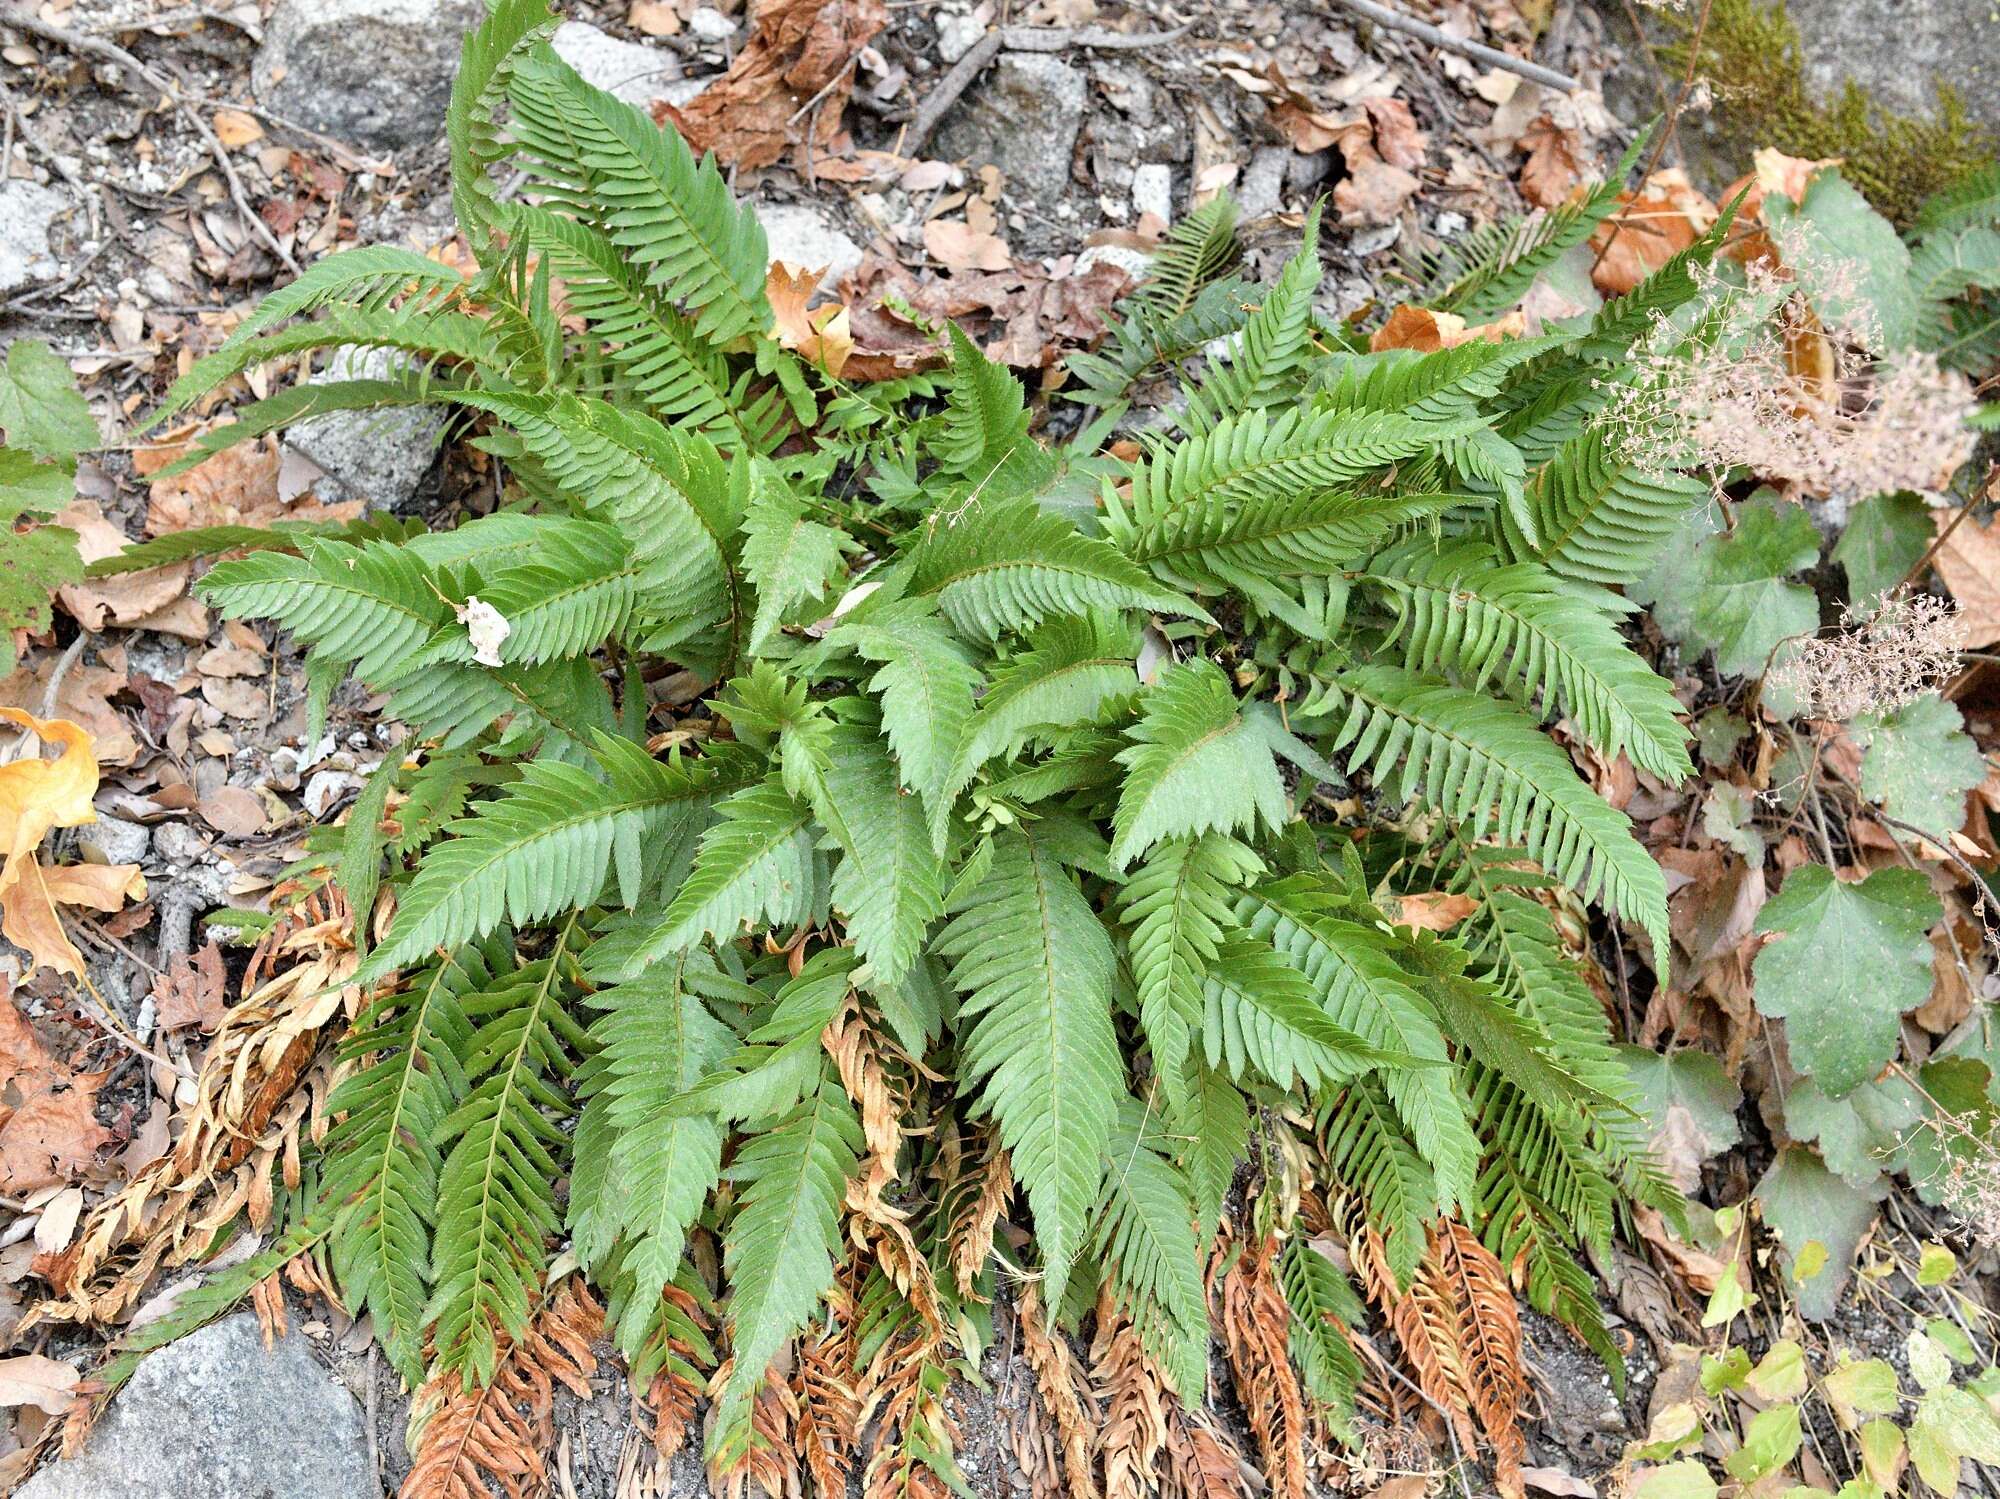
[(987, 882)]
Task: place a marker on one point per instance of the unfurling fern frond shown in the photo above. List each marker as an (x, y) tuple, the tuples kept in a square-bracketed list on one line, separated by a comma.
[(1035, 967)]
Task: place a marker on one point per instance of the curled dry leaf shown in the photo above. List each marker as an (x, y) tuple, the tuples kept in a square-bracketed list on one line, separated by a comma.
[(798, 49), (237, 487), (1412, 327), (1556, 163), (822, 336), (1435, 910), (1653, 225)]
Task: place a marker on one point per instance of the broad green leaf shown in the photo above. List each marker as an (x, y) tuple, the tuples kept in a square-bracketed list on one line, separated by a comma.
[(1689, 1103), (1769, 1442), (1844, 964), (1781, 1373), (33, 565), (1864, 1388), (1726, 1371), (1951, 1337), (1930, 1365), (1860, 1135), (1686, 1479), (1918, 762), (1884, 537), (1728, 591), (1936, 1265), (1882, 1452), (1854, 267), (1804, 1202), (40, 407), (1673, 1429), (28, 485)]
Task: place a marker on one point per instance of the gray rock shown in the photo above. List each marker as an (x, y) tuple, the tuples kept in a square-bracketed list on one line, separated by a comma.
[(1257, 194), (216, 1417), (27, 212), (115, 840), (382, 457), (956, 34), (711, 25), (1023, 117), (1896, 48), (374, 72), (1153, 190), (801, 235), (625, 70)]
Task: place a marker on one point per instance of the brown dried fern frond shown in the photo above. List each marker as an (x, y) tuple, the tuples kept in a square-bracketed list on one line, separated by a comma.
[(1065, 1395), (769, 1466), (1489, 1339), (1255, 1338), (1134, 1398), (672, 1394), (503, 1434), (829, 1406), (1201, 1462), (248, 1108), (972, 1231)]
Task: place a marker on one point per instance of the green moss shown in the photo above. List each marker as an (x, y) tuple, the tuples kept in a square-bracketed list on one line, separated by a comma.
[(1752, 56)]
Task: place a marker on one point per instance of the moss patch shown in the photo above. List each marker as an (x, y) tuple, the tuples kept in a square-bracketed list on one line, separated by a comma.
[(1753, 58)]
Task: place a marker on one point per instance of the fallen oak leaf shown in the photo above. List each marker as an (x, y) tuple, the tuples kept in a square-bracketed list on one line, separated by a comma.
[(959, 247), (1666, 215), (822, 336), (1419, 328), (30, 915)]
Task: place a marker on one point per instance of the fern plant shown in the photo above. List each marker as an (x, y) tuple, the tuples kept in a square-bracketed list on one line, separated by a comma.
[(985, 882)]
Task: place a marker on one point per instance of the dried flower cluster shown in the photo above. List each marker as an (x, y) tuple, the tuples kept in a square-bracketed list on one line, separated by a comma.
[(1971, 1183), (1760, 382), (1909, 646)]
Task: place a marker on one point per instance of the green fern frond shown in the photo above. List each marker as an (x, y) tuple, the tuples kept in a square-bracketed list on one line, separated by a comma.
[(1592, 516), (1368, 1153), (367, 607), (1195, 765), (381, 1163), (1200, 247), (1260, 1016), (1146, 1240), (496, 1192), (672, 218), (1265, 362), (1322, 1304), (1035, 967), (788, 558), (1006, 566), (655, 1040), (485, 66), (1363, 991), (1178, 906), (778, 1248), (1460, 612), (890, 882), (548, 844), (1483, 764), (1072, 666)]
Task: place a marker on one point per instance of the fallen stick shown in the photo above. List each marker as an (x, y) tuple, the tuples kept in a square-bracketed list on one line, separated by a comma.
[(1015, 39), (1423, 31)]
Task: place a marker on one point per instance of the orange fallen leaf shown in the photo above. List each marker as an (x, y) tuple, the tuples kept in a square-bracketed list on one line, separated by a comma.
[(234, 128), (820, 335), (30, 918), (1773, 172), (49, 1132), (960, 247), (1652, 226), (1434, 910), (1419, 328), (1555, 163), (121, 600)]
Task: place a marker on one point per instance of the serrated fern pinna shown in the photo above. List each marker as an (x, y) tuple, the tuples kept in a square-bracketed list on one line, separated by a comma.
[(991, 863)]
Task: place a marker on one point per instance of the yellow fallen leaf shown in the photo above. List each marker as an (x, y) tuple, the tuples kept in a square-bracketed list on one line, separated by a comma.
[(235, 128), (30, 918), (37, 795)]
